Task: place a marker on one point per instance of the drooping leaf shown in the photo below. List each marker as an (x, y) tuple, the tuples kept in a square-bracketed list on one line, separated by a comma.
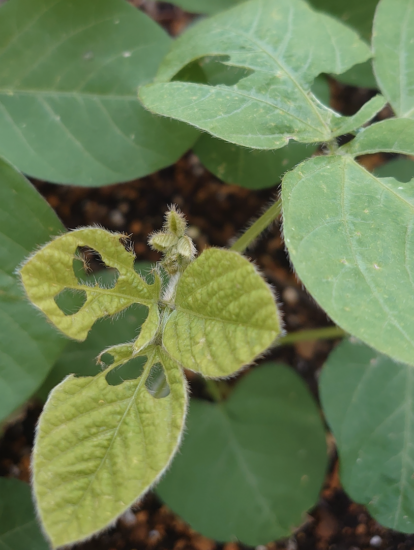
[(368, 402), (225, 315), (19, 529), (263, 452), (273, 103), (69, 75), (99, 447), (350, 238), (401, 169), (392, 136), (28, 345), (393, 53), (50, 271), (344, 125)]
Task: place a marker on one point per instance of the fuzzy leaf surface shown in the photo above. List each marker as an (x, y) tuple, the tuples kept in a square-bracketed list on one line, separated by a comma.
[(393, 53), (265, 453), (69, 75), (274, 103), (225, 315), (50, 271), (19, 529), (100, 447), (393, 135), (28, 346), (350, 237), (368, 400)]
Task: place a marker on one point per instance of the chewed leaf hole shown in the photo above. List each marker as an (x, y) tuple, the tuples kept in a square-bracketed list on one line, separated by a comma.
[(128, 371), (70, 301), (90, 269), (156, 382), (212, 70)]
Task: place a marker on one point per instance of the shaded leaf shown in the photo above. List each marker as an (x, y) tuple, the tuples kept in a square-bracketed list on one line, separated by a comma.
[(28, 345), (360, 75), (100, 447), (392, 136), (19, 529), (225, 315), (69, 111), (393, 53), (50, 271), (350, 238), (274, 103), (368, 402), (265, 453), (401, 169)]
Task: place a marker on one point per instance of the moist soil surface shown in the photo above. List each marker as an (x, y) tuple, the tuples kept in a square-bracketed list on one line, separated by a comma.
[(216, 213)]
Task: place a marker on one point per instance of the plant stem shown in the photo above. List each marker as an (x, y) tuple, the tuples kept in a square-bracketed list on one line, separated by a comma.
[(326, 333), (213, 390), (259, 225)]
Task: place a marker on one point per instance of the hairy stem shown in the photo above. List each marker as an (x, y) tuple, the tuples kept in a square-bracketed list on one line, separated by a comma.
[(258, 227), (326, 333)]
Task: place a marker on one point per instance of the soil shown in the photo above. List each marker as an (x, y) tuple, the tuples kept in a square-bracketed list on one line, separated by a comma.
[(216, 213)]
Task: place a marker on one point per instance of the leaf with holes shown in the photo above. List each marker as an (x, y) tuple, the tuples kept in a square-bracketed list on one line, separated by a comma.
[(224, 317), (368, 402), (350, 237), (273, 103), (50, 271), (69, 75), (265, 453), (392, 136), (101, 446), (19, 529), (393, 53), (28, 345)]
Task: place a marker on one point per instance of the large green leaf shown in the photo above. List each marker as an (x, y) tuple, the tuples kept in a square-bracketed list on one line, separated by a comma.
[(392, 136), (224, 316), (19, 529), (50, 271), (350, 238), (274, 103), (401, 169), (393, 53), (368, 400), (28, 345), (251, 467), (69, 74), (100, 446)]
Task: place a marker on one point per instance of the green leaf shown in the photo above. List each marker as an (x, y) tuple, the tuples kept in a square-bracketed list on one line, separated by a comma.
[(360, 75), (265, 453), (345, 125), (393, 53), (19, 529), (392, 136), (99, 447), (224, 317), (401, 168), (208, 7), (28, 345), (274, 103), (69, 74), (368, 402), (350, 238), (50, 271)]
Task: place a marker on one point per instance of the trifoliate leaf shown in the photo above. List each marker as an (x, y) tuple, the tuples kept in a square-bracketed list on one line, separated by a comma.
[(99, 447), (50, 271), (393, 135), (368, 401), (350, 238), (225, 315), (273, 103)]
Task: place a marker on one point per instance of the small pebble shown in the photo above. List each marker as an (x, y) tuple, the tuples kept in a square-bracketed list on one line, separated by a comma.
[(376, 541), (290, 296), (128, 518), (117, 218), (261, 547)]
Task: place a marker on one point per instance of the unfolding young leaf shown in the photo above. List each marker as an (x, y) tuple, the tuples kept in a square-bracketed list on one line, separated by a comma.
[(69, 74), (225, 315), (350, 237), (273, 103), (50, 271), (368, 400), (28, 345), (250, 468), (19, 529), (392, 136), (99, 447), (393, 54)]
